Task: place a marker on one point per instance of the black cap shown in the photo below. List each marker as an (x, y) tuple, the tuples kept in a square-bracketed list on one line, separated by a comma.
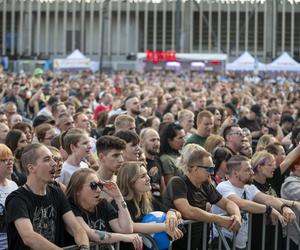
[(43, 119), (256, 109)]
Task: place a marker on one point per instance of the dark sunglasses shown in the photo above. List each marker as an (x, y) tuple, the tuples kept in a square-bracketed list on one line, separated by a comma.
[(94, 185), (209, 169)]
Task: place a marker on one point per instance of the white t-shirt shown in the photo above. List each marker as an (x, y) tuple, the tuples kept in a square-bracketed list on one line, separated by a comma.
[(68, 170), (226, 189), (4, 192)]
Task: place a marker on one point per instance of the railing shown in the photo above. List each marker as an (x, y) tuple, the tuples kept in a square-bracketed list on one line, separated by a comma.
[(222, 242)]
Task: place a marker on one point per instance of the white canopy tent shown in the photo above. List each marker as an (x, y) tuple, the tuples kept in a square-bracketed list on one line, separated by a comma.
[(245, 62), (75, 61), (284, 63)]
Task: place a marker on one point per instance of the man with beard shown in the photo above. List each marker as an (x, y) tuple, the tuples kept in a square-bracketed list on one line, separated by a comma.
[(133, 108), (238, 189), (150, 143), (205, 124)]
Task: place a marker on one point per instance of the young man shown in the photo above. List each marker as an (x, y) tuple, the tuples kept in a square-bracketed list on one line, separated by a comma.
[(205, 124), (110, 153), (37, 212), (238, 189), (191, 194), (233, 136)]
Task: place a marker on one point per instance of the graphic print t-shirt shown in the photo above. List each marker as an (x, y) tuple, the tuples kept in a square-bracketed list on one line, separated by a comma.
[(45, 213)]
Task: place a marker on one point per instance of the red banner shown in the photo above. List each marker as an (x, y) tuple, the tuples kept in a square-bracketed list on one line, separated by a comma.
[(157, 56)]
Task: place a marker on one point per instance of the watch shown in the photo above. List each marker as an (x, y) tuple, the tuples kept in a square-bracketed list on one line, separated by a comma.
[(124, 204), (84, 247)]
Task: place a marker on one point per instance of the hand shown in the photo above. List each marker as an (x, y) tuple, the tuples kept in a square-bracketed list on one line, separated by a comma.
[(236, 223), (135, 239), (112, 189), (275, 216), (171, 220), (176, 234), (289, 215)]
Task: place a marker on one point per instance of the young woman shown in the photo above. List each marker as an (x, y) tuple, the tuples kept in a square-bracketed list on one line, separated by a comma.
[(134, 183), (6, 187), (171, 141), (96, 215), (45, 133)]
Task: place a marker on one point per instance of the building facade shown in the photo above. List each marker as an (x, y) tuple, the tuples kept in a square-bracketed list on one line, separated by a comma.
[(115, 29)]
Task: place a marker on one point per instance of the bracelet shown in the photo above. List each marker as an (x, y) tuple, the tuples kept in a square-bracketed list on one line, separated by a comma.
[(84, 247), (124, 204), (268, 210), (283, 206)]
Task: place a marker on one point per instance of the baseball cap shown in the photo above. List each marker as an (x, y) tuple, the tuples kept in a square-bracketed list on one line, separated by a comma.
[(40, 119)]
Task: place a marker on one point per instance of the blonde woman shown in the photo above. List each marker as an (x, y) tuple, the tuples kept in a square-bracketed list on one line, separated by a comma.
[(214, 141), (134, 183)]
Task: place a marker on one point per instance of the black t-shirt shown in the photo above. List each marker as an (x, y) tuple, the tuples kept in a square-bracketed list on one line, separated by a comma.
[(182, 187), (256, 240), (277, 181), (100, 218), (45, 213), (154, 168)]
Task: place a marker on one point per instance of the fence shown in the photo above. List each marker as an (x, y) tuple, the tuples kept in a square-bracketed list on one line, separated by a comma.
[(222, 242)]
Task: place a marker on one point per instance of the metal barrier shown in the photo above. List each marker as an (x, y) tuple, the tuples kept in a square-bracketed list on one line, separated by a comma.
[(222, 240)]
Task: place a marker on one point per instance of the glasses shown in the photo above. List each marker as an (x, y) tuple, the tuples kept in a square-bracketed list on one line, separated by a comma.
[(8, 161), (209, 169), (94, 185), (237, 133)]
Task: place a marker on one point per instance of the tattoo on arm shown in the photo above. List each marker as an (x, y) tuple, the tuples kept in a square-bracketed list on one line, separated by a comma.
[(103, 235)]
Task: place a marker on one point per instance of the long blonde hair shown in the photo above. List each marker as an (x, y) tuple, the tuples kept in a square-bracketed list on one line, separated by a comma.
[(127, 176)]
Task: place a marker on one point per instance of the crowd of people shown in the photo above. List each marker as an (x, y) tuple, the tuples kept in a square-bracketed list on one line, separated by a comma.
[(84, 157)]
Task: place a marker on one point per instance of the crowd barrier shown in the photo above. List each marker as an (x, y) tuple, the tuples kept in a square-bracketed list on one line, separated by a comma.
[(222, 242)]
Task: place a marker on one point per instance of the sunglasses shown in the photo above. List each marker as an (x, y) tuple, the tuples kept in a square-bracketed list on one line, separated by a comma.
[(209, 169), (94, 185)]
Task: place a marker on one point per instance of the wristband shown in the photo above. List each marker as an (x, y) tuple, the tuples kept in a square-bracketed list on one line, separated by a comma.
[(84, 247), (124, 204), (268, 210), (283, 206)]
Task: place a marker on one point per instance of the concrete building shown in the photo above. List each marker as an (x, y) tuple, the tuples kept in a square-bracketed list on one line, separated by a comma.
[(116, 29)]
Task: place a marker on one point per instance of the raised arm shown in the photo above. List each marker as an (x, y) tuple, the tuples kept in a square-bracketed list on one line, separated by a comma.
[(31, 238)]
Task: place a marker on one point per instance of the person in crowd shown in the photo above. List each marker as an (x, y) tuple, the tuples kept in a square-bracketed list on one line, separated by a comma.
[(274, 117), (6, 187), (37, 213), (238, 189), (45, 133), (152, 122), (191, 194), (59, 162), (264, 166), (77, 145), (287, 122), (3, 118), (150, 143), (217, 118), (102, 119), (246, 149), (46, 111), (205, 123), (4, 129), (220, 156), (101, 221), (15, 139), (233, 138), (124, 122), (14, 119), (264, 141), (135, 186), (64, 123), (186, 120), (110, 154), (58, 109), (27, 129), (171, 142), (105, 104), (168, 118), (132, 151), (214, 141), (290, 190), (133, 109)]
